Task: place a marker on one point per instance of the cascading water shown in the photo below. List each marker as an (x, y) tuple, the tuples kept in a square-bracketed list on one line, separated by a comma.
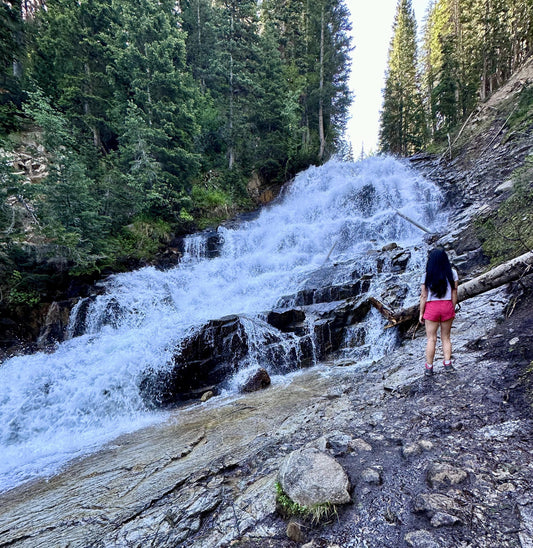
[(56, 406)]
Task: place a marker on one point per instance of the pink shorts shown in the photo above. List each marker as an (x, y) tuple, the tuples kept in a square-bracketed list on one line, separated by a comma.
[(439, 311)]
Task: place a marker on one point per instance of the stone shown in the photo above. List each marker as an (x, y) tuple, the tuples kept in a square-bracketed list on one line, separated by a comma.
[(526, 525), (426, 445), (390, 247), (444, 475), (400, 261), (207, 396), (310, 477), (431, 503), (257, 381), (337, 442), (285, 320), (421, 539), (504, 187), (55, 324), (373, 475), (441, 519), (411, 450), (295, 531), (359, 445)]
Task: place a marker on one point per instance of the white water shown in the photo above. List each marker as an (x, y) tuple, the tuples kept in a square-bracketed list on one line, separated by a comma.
[(54, 407)]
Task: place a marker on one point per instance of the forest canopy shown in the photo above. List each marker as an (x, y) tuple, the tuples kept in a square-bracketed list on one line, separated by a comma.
[(155, 115), (469, 49)]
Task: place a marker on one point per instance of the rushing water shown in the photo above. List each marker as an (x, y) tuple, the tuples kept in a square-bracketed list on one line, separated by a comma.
[(56, 406)]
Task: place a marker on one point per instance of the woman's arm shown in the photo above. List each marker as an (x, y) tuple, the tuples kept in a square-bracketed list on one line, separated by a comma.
[(423, 300), (454, 294)]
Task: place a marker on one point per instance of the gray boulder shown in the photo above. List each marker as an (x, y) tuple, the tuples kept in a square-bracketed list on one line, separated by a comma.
[(310, 477)]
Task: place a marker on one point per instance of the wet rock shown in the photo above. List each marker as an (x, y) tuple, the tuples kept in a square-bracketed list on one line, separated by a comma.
[(444, 475), (390, 247), (310, 477), (206, 358), (331, 293), (79, 323), (286, 320), (399, 262), (258, 381), (207, 396), (55, 324)]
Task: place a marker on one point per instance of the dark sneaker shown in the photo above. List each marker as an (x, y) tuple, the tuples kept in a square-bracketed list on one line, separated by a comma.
[(428, 371), (448, 367)]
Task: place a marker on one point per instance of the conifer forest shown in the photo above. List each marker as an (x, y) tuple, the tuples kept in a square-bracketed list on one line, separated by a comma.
[(469, 49), (155, 116)]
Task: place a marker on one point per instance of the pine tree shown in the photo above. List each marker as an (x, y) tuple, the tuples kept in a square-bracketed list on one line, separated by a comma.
[(402, 123), (155, 94), (11, 53), (69, 64)]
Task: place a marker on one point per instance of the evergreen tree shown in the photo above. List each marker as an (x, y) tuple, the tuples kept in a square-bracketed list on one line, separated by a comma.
[(154, 93), (11, 52), (402, 123), (69, 64)]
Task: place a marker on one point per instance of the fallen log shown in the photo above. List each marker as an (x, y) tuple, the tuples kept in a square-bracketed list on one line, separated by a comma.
[(503, 274)]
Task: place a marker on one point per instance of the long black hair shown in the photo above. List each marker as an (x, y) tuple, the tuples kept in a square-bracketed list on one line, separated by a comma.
[(438, 272)]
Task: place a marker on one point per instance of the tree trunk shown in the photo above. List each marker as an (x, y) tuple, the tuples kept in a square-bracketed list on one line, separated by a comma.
[(507, 272), (321, 92)]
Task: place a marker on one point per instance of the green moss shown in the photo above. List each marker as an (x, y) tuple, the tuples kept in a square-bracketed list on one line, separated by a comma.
[(288, 508)]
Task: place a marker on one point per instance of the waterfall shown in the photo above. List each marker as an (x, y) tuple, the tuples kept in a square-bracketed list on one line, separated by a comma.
[(54, 407)]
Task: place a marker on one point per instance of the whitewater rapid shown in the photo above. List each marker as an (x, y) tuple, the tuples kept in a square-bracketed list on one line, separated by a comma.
[(54, 407)]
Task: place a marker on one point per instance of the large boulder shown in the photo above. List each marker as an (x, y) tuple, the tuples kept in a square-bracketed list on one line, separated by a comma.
[(311, 477), (206, 358)]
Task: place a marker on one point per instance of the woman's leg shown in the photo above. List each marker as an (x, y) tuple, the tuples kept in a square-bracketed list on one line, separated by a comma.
[(445, 330), (431, 332)]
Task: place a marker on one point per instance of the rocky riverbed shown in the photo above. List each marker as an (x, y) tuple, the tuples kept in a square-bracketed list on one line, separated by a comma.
[(442, 461)]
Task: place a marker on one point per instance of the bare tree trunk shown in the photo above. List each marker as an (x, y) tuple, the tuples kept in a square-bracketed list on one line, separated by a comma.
[(503, 274)]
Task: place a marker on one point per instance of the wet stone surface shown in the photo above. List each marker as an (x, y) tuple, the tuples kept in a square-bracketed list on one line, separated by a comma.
[(443, 461)]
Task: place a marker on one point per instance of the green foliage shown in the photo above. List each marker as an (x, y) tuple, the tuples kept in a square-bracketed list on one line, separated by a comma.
[(141, 239), (470, 49), (288, 508), (508, 232), (20, 290), (402, 123), (138, 100)]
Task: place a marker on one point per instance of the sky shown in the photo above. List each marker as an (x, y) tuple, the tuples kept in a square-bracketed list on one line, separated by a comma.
[(372, 31)]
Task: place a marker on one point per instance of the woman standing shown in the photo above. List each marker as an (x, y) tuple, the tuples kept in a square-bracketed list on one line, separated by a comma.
[(438, 298)]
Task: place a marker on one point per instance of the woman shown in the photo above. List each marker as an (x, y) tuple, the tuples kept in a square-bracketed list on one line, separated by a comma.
[(438, 298)]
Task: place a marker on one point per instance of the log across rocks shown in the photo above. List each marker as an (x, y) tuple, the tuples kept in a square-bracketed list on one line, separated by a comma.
[(503, 274)]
